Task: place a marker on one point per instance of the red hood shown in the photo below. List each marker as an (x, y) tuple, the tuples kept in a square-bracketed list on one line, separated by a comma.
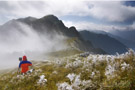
[(24, 58)]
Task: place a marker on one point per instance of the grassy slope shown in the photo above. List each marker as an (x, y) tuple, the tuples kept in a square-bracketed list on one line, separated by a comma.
[(56, 71)]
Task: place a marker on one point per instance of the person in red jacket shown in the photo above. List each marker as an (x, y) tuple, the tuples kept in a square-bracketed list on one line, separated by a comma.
[(24, 65)]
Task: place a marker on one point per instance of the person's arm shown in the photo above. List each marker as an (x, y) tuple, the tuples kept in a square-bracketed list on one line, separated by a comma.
[(30, 65)]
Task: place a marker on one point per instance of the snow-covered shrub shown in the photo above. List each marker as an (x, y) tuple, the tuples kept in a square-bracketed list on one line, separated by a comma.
[(42, 80), (77, 63), (71, 77), (124, 66), (64, 86), (109, 71), (92, 74), (73, 64), (76, 82)]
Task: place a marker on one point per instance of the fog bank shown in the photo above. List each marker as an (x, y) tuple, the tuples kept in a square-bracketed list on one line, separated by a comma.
[(16, 42)]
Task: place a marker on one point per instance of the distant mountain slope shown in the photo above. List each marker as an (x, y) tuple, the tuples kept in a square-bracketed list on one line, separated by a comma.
[(104, 42), (126, 34), (49, 26), (127, 42)]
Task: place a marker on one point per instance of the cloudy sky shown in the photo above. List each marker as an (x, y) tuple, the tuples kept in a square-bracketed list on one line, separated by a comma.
[(83, 14)]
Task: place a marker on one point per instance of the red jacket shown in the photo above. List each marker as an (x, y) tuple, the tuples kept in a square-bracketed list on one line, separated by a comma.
[(24, 65)]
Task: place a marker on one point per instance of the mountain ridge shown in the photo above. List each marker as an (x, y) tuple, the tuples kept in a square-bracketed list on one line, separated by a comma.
[(50, 25)]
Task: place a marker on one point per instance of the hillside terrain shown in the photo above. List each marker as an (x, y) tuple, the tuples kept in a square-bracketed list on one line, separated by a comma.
[(104, 41), (65, 59), (77, 72)]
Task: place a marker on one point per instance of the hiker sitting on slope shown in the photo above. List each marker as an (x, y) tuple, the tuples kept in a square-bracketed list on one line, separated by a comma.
[(24, 65)]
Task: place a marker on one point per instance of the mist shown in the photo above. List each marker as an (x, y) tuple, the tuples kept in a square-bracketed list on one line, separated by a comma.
[(15, 43)]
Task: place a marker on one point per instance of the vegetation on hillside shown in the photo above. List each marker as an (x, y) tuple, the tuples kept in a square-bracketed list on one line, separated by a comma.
[(76, 72)]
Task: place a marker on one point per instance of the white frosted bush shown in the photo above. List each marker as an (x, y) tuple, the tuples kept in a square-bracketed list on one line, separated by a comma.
[(109, 72), (42, 80), (71, 76), (92, 74), (64, 86), (77, 81), (124, 66), (77, 63)]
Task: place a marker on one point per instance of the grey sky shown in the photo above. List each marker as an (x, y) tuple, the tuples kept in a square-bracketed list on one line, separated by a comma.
[(109, 12)]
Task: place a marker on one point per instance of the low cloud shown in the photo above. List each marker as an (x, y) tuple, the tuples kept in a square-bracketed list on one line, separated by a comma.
[(26, 41), (83, 25)]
